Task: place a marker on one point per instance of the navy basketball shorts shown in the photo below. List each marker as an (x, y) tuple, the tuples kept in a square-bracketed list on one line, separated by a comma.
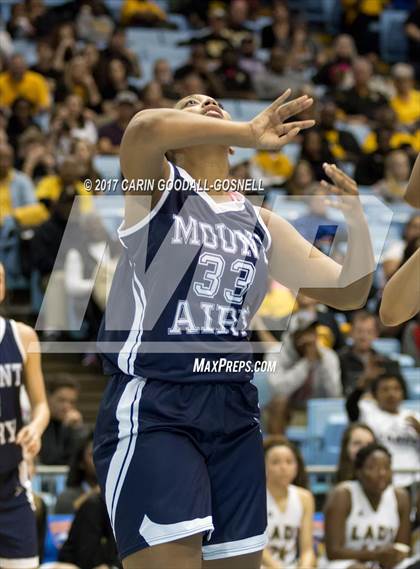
[(176, 459), (18, 536)]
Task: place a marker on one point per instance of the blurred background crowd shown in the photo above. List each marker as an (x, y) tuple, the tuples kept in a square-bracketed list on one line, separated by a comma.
[(73, 74)]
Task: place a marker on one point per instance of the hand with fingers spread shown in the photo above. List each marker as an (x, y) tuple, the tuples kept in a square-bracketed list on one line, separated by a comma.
[(269, 130), (345, 189)]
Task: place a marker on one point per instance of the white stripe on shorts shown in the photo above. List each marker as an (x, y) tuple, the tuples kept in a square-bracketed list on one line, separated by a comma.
[(154, 533), (128, 425), (234, 548), (23, 563)]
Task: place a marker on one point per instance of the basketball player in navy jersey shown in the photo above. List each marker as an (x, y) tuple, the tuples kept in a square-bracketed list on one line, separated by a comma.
[(18, 366), (178, 448)]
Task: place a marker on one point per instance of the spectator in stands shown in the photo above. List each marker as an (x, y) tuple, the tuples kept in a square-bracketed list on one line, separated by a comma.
[(237, 21), (290, 508), (272, 168), (385, 117), (218, 37), (190, 84), (278, 33), (366, 517), (145, 13), (412, 30), (360, 101), (397, 173), (162, 73), (18, 201), (152, 97), (91, 544), (117, 49), (18, 81), (406, 102), (327, 330), (110, 134), (81, 479), (70, 121), (20, 120), (94, 22), (198, 63), (411, 340), (35, 156), (360, 362), (336, 71), (249, 60), (393, 426), (276, 77), (315, 150), (84, 153), (342, 143), (65, 428), (67, 180), (45, 64), (64, 45), (78, 81), (235, 80), (360, 20), (303, 50), (117, 81), (371, 167), (303, 370), (355, 437), (19, 25), (393, 256), (301, 179), (316, 226)]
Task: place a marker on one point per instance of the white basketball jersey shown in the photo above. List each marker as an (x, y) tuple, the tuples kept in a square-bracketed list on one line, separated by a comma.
[(283, 527), (367, 528)]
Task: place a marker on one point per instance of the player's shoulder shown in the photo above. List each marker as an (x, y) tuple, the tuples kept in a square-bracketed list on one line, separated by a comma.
[(27, 335), (305, 496)]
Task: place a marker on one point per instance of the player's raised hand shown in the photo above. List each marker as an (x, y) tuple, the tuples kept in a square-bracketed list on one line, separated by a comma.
[(345, 189), (269, 129)]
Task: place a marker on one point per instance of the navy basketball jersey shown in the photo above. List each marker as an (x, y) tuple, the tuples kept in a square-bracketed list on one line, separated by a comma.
[(191, 276), (11, 377)]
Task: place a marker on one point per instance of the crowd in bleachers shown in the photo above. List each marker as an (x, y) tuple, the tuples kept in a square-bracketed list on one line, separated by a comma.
[(73, 74)]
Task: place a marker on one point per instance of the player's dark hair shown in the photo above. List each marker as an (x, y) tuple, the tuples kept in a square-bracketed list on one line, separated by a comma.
[(77, 471), (365, 452), (385, 377), (62, 381), (345, 468), (278, 440)]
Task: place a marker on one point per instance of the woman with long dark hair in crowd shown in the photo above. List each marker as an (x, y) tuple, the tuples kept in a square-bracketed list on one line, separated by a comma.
[(290, 507), (355, 437)]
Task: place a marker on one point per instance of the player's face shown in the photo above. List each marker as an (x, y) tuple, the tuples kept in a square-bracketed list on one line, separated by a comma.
[(359, 438), (2, 283), (389, 395), (375, 475), (203, 105), (281, 466)]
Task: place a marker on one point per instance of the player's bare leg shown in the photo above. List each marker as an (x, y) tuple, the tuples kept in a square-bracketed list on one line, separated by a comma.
[(181, 554), (249, 561)]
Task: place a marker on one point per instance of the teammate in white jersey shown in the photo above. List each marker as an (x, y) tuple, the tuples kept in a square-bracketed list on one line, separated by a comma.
[(367, 523), (290, 508)]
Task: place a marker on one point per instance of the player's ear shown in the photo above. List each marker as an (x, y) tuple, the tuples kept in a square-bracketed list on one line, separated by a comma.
[(231, 151)]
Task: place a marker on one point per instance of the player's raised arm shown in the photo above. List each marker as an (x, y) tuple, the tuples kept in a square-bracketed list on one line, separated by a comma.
[(412, 193), (299, 265), (401, 295), (153, 132)]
